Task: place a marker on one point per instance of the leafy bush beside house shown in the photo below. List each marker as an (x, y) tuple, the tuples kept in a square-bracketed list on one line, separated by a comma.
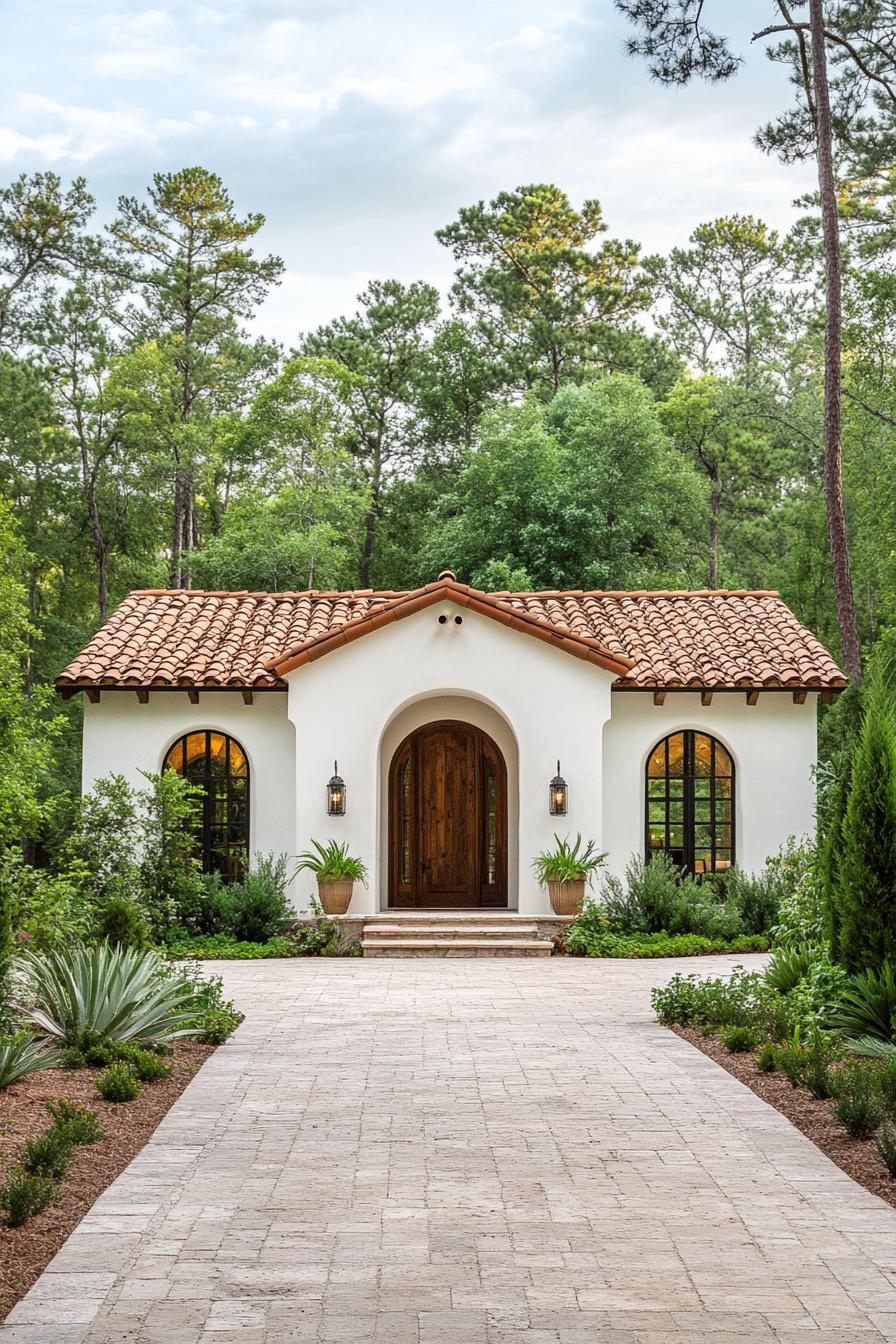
[(656, 908)]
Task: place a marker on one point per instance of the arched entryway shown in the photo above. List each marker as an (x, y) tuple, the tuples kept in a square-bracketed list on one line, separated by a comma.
[(448, 819)]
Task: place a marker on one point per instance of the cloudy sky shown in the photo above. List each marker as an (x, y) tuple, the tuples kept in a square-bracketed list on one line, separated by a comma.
[(358, 127)]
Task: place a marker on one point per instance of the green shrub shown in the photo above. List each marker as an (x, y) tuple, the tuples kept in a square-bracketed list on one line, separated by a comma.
[(78, 1124), (793, 875), (787, 967), (754, 896), (740, 1000), (886, 1085), (115, 992), (149, 1068), (885, 1145), (866, 879), (22, 1054), (820, 1054), (816, 997), (122, 923), (738, 1039), (117, 1083), (23, 1195), (868, 1005), (170, 875), (208, 911), (766, 1057), (857, 1107), (791, 1061), (649, 898), (259, 908), (213, 1018), (49, 1155)]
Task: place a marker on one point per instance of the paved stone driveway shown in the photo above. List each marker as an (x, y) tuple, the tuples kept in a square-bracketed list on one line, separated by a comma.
[(416, 1151)]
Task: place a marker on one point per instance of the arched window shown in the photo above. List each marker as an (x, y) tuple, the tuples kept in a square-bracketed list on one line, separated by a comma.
[(218, 765), (690, 802)]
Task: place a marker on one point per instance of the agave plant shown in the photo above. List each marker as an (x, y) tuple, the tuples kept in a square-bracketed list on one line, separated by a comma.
[(119, 993), (868, 1006), (787, 967), (873, 1048), (23, 1054)]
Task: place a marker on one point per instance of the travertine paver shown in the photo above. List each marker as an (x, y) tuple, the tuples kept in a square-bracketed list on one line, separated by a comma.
[(426, 1151)]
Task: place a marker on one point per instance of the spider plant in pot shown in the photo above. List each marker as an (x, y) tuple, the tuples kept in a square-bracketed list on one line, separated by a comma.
[(565, 869), (336, 872)]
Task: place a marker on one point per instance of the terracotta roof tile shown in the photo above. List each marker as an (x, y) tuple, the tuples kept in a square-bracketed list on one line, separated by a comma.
[(647, 639)]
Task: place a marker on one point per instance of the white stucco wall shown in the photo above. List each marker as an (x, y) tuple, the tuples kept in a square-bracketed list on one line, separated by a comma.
[(344, 707), (123, 737), (773, 744)]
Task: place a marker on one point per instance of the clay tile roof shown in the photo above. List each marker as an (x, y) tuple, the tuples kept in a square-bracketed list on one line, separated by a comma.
[(652, 639)]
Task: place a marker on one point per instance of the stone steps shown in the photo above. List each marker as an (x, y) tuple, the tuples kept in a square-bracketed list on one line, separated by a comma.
[(452, 935)]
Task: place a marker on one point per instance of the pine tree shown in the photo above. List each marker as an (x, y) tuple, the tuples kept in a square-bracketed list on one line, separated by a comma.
[(865, 899)]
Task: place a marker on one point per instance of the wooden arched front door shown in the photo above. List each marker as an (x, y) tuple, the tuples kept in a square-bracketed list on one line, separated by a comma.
[(448, 819)]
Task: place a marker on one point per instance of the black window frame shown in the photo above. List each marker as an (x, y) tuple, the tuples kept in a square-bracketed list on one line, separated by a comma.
[(212, 794), (689, 800)]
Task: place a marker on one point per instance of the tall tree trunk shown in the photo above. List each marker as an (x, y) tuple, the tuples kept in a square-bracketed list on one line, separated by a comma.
[(833, 452), (373, 512), (177, 528), (715, 510)]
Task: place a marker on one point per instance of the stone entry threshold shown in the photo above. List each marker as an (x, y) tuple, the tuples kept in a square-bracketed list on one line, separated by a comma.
[(458, 933), (469, 1152)]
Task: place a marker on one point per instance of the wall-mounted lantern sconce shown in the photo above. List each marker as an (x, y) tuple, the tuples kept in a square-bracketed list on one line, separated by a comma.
[(336, 794), (559, 795)]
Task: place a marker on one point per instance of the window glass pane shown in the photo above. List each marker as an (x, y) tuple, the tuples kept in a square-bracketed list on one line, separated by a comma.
[(656, 766), (702, 811), (194, 748), (676, 788), (702, 754), (656, 812), (676, 754), (655, 839), (723, 761), (676, 812), (724, 788), (656, 788), (702, 788), (238, 765)]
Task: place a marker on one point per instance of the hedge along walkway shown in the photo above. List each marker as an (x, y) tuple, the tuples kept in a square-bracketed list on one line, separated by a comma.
[(469, 1151)]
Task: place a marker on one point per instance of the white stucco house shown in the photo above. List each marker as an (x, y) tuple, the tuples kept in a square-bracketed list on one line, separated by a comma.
[(683, 721)]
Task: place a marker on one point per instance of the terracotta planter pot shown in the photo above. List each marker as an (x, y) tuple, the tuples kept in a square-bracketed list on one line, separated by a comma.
[(335, 894), (566, 896)]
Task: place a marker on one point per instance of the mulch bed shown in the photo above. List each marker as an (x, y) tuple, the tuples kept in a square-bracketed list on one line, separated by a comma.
[(26, 1251), (854, 1156)]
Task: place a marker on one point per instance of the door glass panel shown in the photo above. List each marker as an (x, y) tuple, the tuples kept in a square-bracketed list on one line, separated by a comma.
[(491, 825), (404, 802), (676, 754)]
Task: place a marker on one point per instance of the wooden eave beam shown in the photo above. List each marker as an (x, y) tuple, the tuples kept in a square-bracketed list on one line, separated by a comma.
[(706, 698), (93, 694), (799, 697), (193, 695), (752, 697), (247, 697), (143, 695), (659, 697)]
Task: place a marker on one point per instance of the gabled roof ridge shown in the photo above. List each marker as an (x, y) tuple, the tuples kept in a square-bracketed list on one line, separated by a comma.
[(405, 604)]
